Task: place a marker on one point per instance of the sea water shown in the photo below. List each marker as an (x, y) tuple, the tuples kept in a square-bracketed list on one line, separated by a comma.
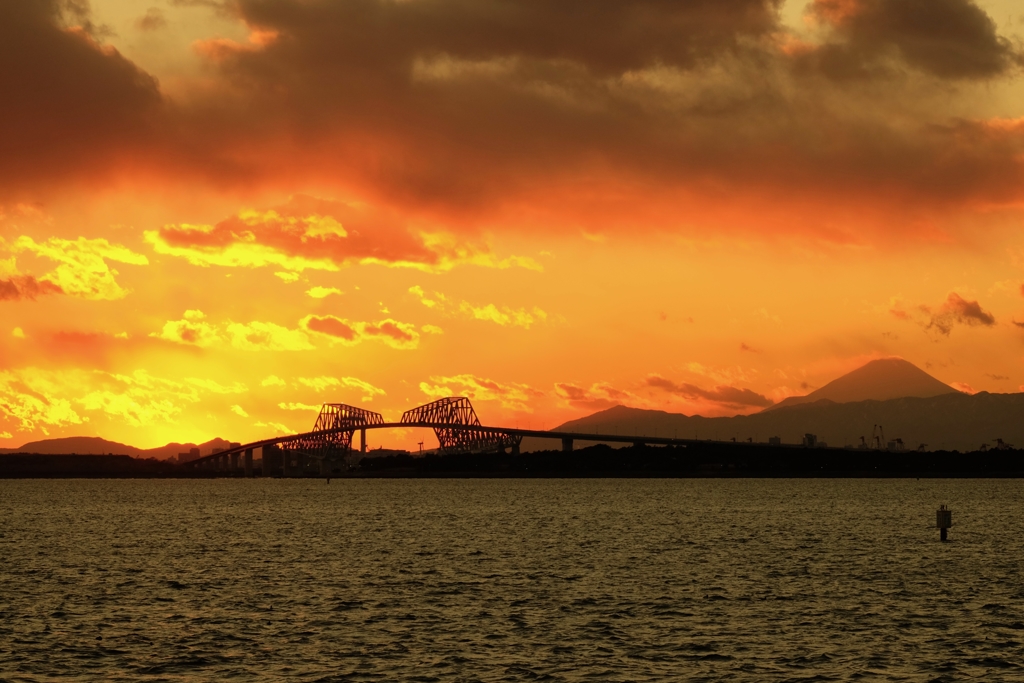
[(503, 579)]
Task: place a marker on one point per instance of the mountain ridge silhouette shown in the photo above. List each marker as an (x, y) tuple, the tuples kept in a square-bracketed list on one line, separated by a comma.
[(94, 445), (904, 400)]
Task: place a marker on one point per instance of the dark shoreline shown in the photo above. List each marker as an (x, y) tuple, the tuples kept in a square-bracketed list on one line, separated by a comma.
[(707, 461)]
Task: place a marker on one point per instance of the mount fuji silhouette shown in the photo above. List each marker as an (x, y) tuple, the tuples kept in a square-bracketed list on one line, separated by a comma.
[(880, 380)]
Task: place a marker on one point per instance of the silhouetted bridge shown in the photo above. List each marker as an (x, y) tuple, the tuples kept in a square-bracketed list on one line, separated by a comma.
[(453, 420)]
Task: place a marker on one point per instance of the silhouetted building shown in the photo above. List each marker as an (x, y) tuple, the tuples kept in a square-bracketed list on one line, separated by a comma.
[(193, 454)]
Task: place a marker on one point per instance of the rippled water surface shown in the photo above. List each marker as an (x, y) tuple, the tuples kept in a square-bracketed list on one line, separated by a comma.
[(426, 580)]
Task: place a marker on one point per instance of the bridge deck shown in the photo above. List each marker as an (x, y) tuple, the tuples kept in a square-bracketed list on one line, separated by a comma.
[(536, 433)]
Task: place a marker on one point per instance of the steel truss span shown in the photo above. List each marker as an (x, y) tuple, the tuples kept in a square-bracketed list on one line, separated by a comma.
[(453, 420), (458, 429), (331, 437)]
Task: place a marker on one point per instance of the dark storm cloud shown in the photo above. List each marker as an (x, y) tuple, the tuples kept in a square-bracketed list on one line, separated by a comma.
[(70, 106), (606, 36), (152, 20), (468, 104), (945, 38), (600, 113)]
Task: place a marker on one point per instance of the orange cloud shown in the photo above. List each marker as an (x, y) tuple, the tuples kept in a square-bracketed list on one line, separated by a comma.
[(219, 49), (599, 396), (323, 292), (731, 397), (308, 233), (959, 311), (503, 315), (331, 326), (954, 311), (513, 396), (395, 334), (83, 269), (33, 398), (26, 287), (41, 399), (266, 336), (320, 384), (194, 330), (299, 406), (191, 329)]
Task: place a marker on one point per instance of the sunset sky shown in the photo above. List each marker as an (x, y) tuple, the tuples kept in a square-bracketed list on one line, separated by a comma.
[(215, 216)]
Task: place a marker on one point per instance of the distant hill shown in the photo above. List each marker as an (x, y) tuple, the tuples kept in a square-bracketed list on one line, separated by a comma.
[(171, 450), (94, 445), (80, 445), (951, 421), (879, 380)]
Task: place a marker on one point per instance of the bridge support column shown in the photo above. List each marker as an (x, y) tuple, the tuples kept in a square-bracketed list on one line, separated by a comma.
[(362, 440), (515, 449), (567, 445), (248, 462), (269, 460), (234, 462), (300, 464), (286, 463)]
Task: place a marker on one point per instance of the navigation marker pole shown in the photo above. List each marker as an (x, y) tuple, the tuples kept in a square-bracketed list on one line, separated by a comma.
[(943, 520)]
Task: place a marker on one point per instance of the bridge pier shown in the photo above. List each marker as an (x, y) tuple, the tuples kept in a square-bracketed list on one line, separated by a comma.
[(234, 463), (515, 449), (567, 445), (300, 464), (286, 464), (248, 462), (362, 440), (269, 460)]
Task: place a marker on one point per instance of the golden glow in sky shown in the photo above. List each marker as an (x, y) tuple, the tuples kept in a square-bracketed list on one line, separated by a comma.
[(215, 216)]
